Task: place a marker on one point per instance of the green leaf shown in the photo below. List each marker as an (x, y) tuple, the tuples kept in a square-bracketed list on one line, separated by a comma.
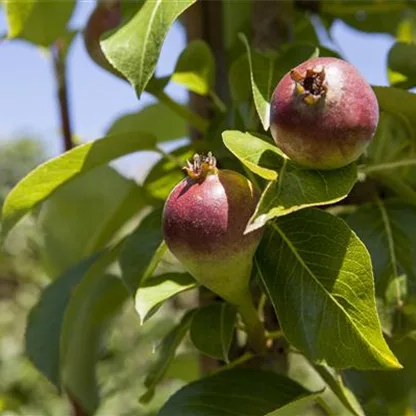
[(296, 407), (142, 251), (93, 302), (378, 394), (95, 206), (166, 173), (304, 30), (336, 385), (212, 329), (42, 182), (301, 370), (166, 353), (401, 64), (246, 392), (195, 68), (266, 71), (406, 31), (38, 21), (398, 102), (149, 120), (260, 157), (293, 54), (396, 290), (239, 80), (297, 188), (157, 290), (263, 81), (45, 320), (318, 276), (388, 230), (134, 48), (292, 188), (236, 19), (367, 15), (184, 367), (391, 156), (399, 186), (387, 393), (323, 51)]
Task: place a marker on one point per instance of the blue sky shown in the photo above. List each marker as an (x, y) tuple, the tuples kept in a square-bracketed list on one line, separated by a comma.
[(27, 88)]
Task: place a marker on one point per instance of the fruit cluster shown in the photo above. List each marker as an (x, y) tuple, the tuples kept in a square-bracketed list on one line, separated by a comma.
[(323, 116)]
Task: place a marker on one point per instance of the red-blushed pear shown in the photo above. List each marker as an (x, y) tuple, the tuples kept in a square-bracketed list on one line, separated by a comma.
[(323, 114), (204, 220)]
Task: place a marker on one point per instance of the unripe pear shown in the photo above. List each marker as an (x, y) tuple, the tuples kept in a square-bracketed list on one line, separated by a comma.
[(204, 220), (323, 114)]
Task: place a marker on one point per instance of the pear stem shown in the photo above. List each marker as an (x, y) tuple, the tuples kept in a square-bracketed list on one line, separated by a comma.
[(253, 325)]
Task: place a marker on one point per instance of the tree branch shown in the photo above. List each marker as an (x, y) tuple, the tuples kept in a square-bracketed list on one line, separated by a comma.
[(59, 63), (203, 21), (76, 409), (272, 24)]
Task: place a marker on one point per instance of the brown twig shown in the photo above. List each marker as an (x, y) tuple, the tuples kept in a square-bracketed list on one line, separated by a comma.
[(59, 62), (76, 409)]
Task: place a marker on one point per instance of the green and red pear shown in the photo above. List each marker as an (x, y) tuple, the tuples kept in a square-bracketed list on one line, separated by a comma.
[(323, 114), (204, 220)]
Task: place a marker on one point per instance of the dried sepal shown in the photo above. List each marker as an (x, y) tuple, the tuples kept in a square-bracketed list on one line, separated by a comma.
[(201, 166)]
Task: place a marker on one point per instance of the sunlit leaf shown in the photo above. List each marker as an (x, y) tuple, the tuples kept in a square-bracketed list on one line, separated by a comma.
[(134, 48), (38, 21), (157, 290), (259, 156), (318, 276), (296, 189), (195, 68), (48, 177), (291, 187)]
